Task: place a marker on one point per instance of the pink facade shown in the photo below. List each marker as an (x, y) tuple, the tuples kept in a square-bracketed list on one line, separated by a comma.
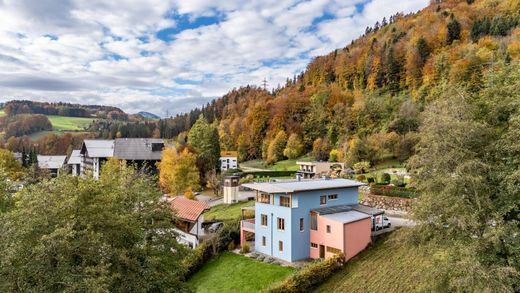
[(335, 236), (357, 237)]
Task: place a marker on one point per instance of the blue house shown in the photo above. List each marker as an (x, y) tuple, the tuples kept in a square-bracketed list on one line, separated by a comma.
[(283, 212)]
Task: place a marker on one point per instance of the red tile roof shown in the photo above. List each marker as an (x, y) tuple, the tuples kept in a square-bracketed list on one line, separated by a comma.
[(187, 209)]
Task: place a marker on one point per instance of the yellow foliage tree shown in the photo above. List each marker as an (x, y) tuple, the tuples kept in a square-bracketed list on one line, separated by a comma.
[(10, 165), (178, 171)]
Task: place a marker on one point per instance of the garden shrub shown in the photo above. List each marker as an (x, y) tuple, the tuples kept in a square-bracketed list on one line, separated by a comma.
[(231, 246), (361, 178), (371, 180), (385, 178), (307, 278), (245, 249)]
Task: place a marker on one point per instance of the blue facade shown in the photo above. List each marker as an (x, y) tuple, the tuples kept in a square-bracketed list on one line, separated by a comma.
[(296, 242)]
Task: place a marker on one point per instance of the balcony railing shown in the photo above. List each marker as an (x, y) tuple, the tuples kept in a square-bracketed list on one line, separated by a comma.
[(248, 224)]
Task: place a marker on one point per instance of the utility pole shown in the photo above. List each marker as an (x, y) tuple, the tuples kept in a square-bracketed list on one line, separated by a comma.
[(264, 83)]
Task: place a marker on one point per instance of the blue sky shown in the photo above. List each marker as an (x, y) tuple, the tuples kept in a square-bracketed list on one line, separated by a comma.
[(169, 55)]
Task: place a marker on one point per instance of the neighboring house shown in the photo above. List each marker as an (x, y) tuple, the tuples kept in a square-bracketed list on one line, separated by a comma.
[(141, 152), (310, 170), (74, 163), (308, 219), (94, 152), (52, 163), (189, 218), (228, 160), (18, 157)]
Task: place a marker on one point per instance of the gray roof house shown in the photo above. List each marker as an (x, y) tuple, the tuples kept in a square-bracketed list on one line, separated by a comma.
[(74, 162), (142, 152), (52, 163)]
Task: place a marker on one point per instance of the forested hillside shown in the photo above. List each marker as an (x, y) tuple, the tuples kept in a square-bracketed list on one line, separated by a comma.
[(362, 102)]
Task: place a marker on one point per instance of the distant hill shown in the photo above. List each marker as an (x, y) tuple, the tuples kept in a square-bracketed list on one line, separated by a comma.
[(16, 107), (148, 115)]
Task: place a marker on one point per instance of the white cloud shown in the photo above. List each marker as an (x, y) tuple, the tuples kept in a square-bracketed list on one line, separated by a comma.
[(107, 52)]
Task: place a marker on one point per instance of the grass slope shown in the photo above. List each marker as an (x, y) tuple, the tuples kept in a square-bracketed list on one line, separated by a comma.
[(227, 212), (62, 123), (230, 272), (285, 165), (393, 264), (2, 113)]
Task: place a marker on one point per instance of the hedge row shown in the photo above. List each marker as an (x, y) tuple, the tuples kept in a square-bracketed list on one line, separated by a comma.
[(268, 173), (395, 191), (230, 233), (310, 276)]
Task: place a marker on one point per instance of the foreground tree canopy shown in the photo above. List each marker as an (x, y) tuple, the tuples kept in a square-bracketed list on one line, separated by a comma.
[(81, 235), (467, 171)]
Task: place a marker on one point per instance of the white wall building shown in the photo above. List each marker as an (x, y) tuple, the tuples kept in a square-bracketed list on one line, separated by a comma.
[(228, 160)]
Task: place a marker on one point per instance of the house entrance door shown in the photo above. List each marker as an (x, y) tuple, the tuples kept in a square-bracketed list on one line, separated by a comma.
[(322, 251)]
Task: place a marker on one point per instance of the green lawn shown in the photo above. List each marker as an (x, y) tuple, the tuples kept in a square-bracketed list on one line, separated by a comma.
[(285, 165), (62, 123), (2, 113), (227, 212), (393, 264), (230, 272)]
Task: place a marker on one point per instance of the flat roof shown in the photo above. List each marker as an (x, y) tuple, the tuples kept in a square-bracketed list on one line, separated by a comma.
[(346, 217), (348, 207), (303, 185)]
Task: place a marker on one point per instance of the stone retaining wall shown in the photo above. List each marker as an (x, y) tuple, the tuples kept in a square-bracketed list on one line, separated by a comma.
[(384, 202)]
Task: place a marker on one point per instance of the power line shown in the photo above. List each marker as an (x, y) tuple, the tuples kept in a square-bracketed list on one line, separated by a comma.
[(264, 84)]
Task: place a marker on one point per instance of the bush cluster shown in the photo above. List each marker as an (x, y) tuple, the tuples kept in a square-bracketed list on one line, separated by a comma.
[(310, 276), (226, 238), (395, 191)]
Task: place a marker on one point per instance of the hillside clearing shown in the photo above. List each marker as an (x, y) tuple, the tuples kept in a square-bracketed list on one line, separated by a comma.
[(62, 123), (230, 272), (227, 212), (393, 264), (285, 165)]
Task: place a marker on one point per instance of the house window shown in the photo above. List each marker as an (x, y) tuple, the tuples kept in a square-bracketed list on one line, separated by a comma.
[(263, 240), (264, 220), (328, 228), (264, 198), (333, 250), (281, 224), (314, 245), (314, 221), (333, 196), (323, 199), (301, 225), (285, 201), (280, 246)]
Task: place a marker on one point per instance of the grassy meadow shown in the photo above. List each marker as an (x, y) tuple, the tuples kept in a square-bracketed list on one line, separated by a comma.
[(229, 272)]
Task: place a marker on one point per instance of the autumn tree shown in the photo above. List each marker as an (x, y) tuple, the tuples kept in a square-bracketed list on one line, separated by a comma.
[(204, 138), (321, 149), (10, 165), (276, 147), (294, 147), (178, 171)]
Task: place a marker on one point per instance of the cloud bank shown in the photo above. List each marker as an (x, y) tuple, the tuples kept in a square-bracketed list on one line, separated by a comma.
[(169, 55)]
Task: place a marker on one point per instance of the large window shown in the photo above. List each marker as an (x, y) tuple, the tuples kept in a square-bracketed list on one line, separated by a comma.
[(323, 199), (301, 224), (333, 196), (333, 250), (281, 224), (264, 198), (280, 246), (264, 219), (285, 201), (314, 221)]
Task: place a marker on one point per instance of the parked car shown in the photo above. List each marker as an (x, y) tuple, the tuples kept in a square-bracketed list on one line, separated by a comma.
[(378, 225)]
